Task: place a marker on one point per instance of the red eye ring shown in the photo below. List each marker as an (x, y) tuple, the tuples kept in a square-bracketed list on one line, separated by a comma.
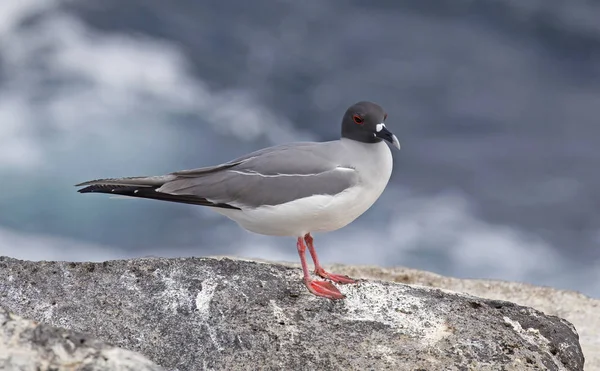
[(358, 120)]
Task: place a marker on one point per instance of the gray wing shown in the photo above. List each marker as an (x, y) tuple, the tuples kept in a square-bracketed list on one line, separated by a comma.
[(271, 176)]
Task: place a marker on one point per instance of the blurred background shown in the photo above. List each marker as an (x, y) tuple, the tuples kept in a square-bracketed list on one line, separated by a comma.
[(496, 104)]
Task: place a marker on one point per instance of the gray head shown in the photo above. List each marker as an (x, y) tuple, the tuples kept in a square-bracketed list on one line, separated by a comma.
[(365, 122)]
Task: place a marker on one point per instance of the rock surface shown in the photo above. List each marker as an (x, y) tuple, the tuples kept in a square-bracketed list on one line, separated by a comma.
[(191, 314), (26, 345), (580, 310)]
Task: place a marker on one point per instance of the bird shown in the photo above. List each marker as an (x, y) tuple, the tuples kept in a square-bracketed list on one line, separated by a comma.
[(295, 189)]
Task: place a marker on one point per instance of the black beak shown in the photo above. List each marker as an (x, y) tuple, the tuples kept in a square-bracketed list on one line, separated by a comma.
[(387, 135)]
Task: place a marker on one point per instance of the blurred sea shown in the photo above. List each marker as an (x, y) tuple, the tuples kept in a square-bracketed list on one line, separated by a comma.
[(496, 104)]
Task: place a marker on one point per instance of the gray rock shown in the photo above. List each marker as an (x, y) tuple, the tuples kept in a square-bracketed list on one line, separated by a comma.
[(26, 345), (580, 310), (193, 314)]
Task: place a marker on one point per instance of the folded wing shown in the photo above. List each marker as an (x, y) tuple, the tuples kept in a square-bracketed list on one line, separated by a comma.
[(268, 177)]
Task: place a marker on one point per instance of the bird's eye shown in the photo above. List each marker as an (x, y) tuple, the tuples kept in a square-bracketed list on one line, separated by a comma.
[(358, 120)]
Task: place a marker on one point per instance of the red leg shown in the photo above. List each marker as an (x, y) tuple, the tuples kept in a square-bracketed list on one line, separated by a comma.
[(338, 278), (319, 288)]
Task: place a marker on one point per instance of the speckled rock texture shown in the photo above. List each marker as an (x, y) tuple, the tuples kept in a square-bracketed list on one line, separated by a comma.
[(582, 311), (29, 346), (224, 314)]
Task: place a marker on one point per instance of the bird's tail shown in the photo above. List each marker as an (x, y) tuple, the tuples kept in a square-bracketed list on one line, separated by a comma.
[(144, 187), (137, 181)]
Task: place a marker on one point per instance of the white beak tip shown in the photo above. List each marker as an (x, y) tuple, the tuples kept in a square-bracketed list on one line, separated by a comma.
[(396, 142)]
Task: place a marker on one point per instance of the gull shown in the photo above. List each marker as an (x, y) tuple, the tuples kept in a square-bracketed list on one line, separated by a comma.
[(293, 189)]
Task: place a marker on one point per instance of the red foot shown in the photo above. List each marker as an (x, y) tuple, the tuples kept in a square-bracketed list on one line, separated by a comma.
[(324, 289), (337, 278)]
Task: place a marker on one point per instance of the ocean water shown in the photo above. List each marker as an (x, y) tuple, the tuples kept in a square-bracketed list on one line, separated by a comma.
[(496, 104)]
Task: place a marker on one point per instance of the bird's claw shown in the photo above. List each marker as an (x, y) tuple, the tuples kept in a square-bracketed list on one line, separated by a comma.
[(324, 289), (337, 278)]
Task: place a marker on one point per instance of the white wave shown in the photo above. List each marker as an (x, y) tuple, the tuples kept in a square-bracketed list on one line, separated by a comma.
[(446, 224), (14, 12), (110, 88)]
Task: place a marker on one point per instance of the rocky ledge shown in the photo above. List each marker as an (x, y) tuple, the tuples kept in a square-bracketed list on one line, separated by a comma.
[(27, 345), (224, 314)]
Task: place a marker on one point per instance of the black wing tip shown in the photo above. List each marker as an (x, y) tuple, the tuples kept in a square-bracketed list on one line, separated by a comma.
[(89, 189), (103, 188), (150, 193), (89, 183)]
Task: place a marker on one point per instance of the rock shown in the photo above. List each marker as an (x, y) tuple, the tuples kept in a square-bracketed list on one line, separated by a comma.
[(580, 310), (26, 345), (189, 314)]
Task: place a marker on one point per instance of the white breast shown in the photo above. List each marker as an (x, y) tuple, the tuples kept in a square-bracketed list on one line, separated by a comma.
[(325, 213)]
